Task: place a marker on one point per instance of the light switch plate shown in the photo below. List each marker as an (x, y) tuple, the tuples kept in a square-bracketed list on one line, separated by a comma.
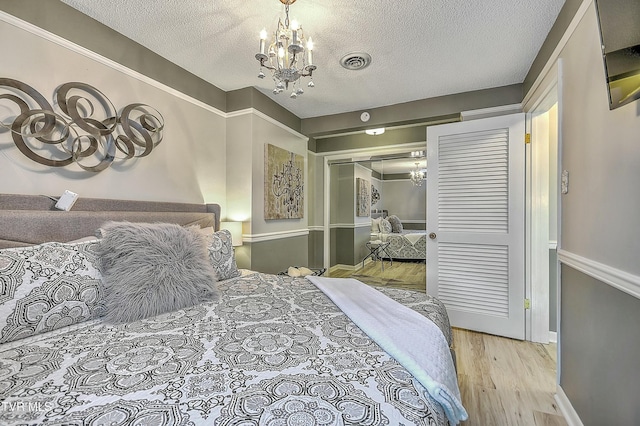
[(67, 200)]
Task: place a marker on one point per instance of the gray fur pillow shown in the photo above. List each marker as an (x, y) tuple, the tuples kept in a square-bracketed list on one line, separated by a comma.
[(149, 269), (396, 225)]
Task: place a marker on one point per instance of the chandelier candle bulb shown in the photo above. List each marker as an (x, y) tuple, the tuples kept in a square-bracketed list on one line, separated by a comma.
[(309, 52), (280, 56), (294, 32), (263, 42)]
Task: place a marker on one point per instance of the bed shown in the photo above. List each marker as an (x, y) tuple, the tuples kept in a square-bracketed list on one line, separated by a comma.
[(408, 244), (270, 350), (403, 244)]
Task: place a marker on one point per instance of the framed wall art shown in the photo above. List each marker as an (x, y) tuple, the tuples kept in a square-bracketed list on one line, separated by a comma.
[(363, 198), (283, 184)]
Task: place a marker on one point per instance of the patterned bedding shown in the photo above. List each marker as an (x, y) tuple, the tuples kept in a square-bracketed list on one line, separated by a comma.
[(406, 245), (273, 351)]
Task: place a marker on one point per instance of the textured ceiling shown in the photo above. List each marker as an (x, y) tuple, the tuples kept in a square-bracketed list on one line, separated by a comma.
[(420, 49)]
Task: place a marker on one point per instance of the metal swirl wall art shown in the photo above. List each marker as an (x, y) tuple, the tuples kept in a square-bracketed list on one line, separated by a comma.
[(86, 131)]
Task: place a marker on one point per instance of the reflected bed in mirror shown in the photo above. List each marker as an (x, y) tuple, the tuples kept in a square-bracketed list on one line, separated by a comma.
[(397, 197)]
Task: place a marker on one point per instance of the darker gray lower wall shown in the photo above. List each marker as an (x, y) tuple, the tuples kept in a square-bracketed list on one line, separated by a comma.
[(316, 249), (599, 347), (342, 246), (274, 256), (362, 235), (414, 226), (553, 290), (348, 245)]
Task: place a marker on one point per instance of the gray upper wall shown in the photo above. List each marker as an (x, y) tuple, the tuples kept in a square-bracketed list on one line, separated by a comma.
[(362, 140), (433, 111), (250, 97), (70, 24), (558, 29), (64, 21)]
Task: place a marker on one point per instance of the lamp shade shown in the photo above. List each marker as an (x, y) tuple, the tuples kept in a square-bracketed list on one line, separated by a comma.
[(236, 231)]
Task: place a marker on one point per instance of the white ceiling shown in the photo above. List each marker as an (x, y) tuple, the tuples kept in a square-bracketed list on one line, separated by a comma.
[(420, 49)]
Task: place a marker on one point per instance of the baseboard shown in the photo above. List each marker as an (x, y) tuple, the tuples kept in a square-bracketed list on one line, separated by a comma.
[(553, 337), (567, 410), (346, 267)]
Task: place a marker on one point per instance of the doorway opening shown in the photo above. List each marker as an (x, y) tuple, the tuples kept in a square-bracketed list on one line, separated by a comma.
[(386, 176), (542, 188)]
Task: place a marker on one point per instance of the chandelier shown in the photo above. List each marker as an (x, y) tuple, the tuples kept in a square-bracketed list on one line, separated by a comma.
[(289, 56), (417, 176)]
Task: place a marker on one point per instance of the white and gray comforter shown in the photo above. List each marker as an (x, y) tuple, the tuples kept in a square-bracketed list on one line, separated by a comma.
[(273, 351), (408, 244)]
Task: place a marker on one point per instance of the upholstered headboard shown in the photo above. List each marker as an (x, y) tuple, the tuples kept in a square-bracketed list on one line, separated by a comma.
[(379, 213), (32, 219)]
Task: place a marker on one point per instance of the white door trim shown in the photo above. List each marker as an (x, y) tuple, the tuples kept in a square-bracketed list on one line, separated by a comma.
[(353, 154), (537, 285), (539, 236)]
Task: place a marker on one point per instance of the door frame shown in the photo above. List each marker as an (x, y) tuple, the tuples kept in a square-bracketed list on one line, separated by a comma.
[(354, 155), (537, 244)]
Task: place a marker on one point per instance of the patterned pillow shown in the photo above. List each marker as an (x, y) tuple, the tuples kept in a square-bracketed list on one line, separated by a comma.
[(385, 226), (222, 256), (48, 286), (396, 225)]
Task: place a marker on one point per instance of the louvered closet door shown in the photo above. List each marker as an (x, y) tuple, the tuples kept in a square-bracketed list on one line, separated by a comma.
[(476, 214)]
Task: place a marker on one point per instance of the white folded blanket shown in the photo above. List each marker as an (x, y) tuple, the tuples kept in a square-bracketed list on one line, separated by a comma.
[(413, 238), (410, 338)]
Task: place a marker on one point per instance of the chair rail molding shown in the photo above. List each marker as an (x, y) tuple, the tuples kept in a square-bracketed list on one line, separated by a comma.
[(268, 236), (622, 280)]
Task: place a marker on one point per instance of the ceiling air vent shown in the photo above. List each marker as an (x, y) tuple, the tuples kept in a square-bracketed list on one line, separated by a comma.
[(355, 61)]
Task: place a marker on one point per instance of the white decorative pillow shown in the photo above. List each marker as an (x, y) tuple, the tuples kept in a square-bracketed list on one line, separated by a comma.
[(83, 239), (396, 225), (222, 256), (206, 231), (153, 268), (385, 226), (375, 224), (47, 287)]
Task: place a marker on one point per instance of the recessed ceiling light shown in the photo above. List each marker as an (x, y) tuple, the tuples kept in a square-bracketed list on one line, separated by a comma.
[(375, 132)]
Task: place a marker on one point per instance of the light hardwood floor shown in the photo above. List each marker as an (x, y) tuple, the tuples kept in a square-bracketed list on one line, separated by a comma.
[(506, 382), (503, 382), (407, 275)]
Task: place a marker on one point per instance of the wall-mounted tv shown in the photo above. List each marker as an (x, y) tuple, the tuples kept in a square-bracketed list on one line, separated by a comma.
[(619, 22)]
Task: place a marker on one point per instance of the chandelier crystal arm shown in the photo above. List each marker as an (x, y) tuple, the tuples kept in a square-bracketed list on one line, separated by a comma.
[(417, 176)]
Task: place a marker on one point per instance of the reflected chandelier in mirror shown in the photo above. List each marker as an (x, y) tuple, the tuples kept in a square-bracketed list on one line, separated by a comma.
[(87, 131)]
